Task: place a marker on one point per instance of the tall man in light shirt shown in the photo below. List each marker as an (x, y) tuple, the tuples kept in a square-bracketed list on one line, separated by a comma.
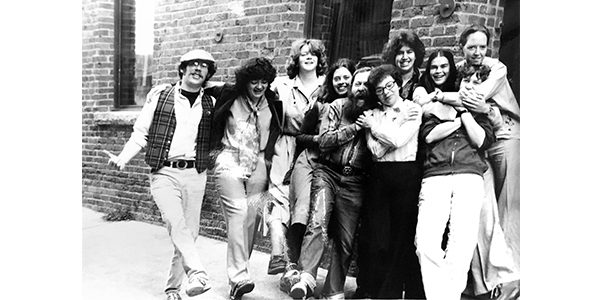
[(389, 267), (174, 126), (337, 192)]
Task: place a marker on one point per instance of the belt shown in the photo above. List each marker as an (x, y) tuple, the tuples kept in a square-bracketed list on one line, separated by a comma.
[(180, 164), (344, 170)]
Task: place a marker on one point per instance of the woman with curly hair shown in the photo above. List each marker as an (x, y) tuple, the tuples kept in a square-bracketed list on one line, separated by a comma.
[(406, 51), (388, 265), (306, 67), (247, 123)]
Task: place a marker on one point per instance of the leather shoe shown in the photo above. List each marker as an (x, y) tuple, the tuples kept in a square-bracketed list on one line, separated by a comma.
[(277, 265), (241, 288)]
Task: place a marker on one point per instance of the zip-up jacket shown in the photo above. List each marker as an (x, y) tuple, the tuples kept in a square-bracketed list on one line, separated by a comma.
[(455, 154)]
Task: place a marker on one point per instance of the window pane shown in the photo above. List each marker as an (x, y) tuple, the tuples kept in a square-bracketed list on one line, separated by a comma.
[(351, 28), (136, 47)]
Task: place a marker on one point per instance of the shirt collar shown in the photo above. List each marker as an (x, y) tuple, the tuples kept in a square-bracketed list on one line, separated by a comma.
[(398, 107), (178, 90)]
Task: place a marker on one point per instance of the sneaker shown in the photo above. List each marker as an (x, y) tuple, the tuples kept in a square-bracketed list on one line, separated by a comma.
[(197, 286), (277, 265), (241, 288), (300, 290), (173, 296)]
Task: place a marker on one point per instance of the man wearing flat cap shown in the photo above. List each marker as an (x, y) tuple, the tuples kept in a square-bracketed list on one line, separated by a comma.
[(174, 126)]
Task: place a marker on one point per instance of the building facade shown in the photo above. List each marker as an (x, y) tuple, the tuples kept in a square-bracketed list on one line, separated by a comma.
[(130, 45)]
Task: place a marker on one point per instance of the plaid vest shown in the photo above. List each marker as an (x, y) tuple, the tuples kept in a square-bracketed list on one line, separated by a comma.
[(163, 127)]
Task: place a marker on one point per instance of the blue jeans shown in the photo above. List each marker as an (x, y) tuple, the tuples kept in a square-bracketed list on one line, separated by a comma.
[(335, 213)]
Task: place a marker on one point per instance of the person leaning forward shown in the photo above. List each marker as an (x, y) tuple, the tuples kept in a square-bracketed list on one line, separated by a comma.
[(337, 192), (175, 126)]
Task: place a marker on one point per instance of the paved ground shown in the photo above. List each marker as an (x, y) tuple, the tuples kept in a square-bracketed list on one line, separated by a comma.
[(129, 260)]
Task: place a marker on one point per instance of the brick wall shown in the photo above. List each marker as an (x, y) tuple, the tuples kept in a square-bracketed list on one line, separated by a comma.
[(436, 32), (248, 28)]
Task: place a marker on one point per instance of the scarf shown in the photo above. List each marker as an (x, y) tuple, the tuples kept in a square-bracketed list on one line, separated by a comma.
[(250, 137)]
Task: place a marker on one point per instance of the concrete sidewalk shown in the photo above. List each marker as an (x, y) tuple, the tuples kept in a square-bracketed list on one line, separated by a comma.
[(129, 260)]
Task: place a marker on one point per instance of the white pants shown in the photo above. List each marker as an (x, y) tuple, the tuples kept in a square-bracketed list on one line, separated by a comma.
[(241, 200), (454, 200), (178, 195)]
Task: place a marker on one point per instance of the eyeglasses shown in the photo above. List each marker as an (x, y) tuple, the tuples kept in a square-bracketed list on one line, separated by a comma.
[(198, 63), (388, 86)]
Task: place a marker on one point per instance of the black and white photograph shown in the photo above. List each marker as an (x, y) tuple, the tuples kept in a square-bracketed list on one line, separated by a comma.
[(300, 149)]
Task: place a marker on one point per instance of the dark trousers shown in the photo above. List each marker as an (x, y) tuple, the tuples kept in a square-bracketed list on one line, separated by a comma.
[(387, 262), (337, 200), (294, 237)]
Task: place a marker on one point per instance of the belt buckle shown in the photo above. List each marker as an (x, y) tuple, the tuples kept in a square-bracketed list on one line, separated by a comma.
[(179, 166), (347, 170)]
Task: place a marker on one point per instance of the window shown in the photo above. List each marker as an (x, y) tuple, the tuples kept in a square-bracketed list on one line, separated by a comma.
[(134, 43), (354, 29)]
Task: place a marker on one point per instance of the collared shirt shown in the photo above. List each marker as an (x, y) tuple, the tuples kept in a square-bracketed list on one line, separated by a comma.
[(341, 143), (296, 101), (407, 89), (183, 143), (392, 138)]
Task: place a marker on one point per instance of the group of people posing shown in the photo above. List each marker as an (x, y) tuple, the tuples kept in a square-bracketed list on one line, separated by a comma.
[(419, 173)]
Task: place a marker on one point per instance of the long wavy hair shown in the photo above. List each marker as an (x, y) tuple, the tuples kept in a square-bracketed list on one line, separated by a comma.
[(328, 93), (406, 38), (427, 82), (316, 48)]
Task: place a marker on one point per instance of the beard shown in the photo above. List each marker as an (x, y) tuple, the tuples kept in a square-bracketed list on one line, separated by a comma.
[(358, 104)]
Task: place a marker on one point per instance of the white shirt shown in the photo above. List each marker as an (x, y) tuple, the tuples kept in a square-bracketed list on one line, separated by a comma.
[(183, 143), (392, 138)]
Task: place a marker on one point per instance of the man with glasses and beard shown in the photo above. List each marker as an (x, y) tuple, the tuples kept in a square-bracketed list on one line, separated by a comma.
[(175, 126), (338, 189)]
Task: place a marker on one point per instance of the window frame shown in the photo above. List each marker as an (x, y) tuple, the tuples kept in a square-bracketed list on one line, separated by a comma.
[(120, 102), (118, 67)]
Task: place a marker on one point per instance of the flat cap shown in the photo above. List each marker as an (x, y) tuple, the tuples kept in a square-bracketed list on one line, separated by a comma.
[(197, 54)]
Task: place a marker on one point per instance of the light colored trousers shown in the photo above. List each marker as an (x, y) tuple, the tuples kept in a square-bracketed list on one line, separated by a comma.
[(492, 262), (454, 199), (241, 200), (281, 164), (179, 195), (505, 157)]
